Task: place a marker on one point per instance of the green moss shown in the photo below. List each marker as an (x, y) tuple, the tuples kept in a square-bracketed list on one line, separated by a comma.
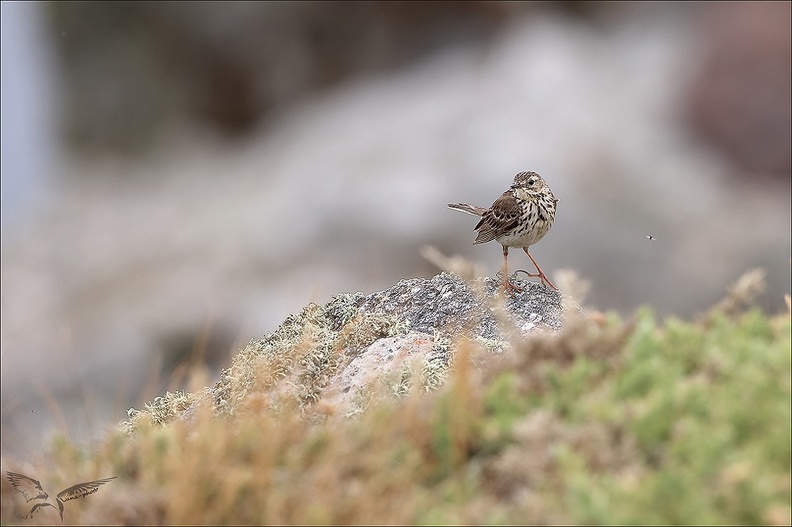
[(503, 403)]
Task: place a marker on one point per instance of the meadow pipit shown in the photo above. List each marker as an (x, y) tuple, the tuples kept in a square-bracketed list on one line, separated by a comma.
[(519, 218)]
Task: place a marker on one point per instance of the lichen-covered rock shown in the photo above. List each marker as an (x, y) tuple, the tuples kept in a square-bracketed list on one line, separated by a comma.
[(448, 304), (337, 353), (391, 362)]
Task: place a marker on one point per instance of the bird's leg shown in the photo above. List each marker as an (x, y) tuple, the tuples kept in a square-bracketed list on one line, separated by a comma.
[(542, 277), (507, 285)]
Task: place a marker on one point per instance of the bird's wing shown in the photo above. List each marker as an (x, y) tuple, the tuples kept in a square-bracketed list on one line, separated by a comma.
[(29, 487), (499, 219), (81, 490), (35, 509)]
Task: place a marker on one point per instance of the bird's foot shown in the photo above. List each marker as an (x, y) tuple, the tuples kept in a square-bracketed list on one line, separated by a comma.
[(540, 275), (508, 286)]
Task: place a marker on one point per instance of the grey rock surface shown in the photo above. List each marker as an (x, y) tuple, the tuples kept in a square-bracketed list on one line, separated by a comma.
[(447, 304), (340, 353)]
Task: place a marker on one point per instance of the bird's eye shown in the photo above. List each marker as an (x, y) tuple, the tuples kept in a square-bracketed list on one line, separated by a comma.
[(531, 182)]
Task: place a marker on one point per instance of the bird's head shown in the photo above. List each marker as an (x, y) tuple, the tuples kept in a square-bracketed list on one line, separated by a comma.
[(529, 182)]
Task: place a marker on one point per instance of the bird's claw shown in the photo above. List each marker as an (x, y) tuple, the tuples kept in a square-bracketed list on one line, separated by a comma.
[(540, 275), (508, 286)]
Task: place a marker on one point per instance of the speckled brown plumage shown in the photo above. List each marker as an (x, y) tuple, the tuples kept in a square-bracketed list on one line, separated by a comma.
[(519, 218)]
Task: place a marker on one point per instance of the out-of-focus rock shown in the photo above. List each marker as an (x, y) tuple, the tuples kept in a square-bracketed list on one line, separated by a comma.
[(741, 100), (131, 67)]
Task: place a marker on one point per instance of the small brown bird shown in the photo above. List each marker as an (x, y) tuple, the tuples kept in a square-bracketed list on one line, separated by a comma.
[(519, 218), (31, 490)]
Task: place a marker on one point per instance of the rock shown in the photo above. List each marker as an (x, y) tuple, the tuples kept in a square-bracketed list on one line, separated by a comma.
[(740, 97), (337, 353)]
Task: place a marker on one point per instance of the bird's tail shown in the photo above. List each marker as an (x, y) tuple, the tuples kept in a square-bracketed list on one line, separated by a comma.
[(469, 209)]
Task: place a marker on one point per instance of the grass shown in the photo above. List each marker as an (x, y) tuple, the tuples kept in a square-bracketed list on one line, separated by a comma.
[(608, 422)]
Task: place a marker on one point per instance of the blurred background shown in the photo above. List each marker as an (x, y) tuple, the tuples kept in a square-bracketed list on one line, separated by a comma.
[(178, 178)]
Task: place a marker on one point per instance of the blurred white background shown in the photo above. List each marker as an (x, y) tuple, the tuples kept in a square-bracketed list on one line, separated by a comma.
[(178, 178)]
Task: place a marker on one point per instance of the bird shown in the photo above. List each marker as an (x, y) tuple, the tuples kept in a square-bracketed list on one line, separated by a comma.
[(28, 486), (519, 218)]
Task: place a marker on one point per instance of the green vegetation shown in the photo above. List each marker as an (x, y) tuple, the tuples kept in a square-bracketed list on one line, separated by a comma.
[(607, 422)]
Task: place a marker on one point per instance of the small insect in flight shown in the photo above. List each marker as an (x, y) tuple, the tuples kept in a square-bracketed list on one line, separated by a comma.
[(650, 237)]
